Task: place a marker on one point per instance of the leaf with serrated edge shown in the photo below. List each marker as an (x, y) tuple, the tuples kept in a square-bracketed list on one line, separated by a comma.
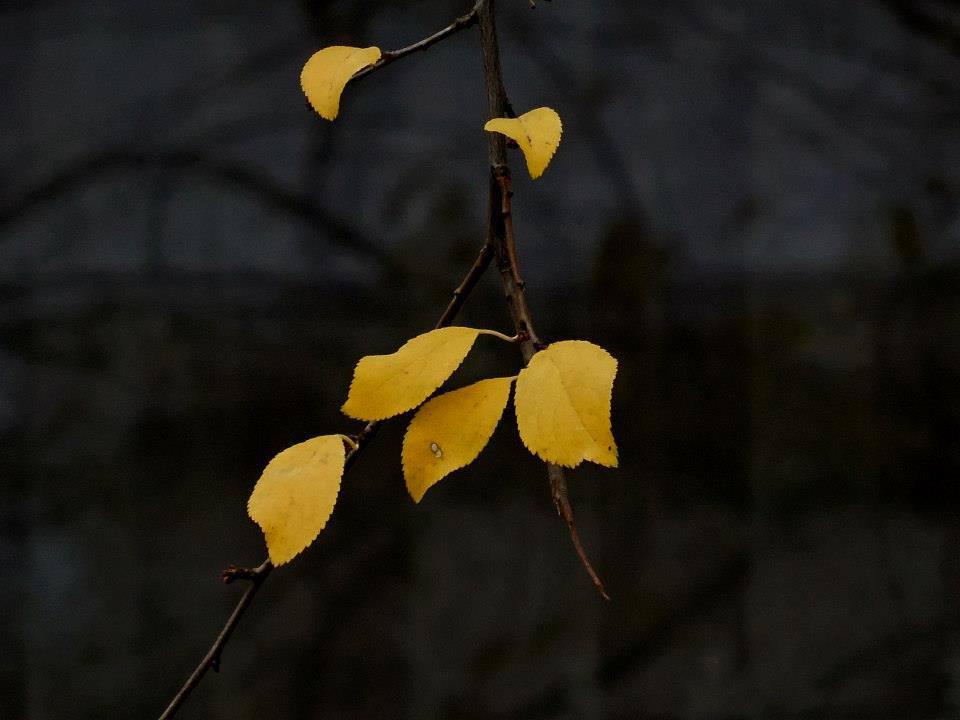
[(449, 432), (563, 404), (387, 385), (536, 132), (327, 72), (295, 495)]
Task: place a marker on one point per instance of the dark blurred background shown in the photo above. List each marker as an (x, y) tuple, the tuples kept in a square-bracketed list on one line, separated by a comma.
[(754, 208)]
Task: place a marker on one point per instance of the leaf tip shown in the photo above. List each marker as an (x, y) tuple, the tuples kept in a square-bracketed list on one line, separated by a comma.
[(492, 124), (416, 496)]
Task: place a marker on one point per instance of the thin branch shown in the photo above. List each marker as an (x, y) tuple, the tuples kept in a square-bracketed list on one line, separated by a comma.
[(463, 290), (464, 21), (256, 576), (501, 236), (561, 501)]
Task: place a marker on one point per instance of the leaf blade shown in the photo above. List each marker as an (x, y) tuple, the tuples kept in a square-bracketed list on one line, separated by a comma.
[(327, 72), (388, 385), (295, 495), (537, 132), (562, 402), (450, 431)]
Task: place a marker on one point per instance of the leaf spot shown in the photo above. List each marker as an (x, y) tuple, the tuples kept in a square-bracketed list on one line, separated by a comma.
[(450, 430)]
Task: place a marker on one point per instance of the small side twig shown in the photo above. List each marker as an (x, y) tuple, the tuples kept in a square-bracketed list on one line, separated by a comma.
[(464, 21), (211, 661), (463, 289), (232, 573), (501, 235)]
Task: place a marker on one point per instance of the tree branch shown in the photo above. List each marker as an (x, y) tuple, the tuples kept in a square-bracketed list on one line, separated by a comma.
[(464, 21), (256, 576), (501, 236), (500, 243)]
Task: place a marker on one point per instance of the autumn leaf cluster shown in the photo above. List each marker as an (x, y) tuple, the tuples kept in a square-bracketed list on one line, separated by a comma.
[(561, 398), (561, 401)]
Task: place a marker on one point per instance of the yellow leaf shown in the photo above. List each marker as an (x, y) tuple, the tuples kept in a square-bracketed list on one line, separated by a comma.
[(536, 132), (563, 404), (387, 385), (450, 430), (295, 495), (327, 73)]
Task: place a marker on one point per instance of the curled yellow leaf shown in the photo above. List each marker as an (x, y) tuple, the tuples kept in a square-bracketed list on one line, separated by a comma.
[(536, 132), (387, 385), (295, 495), (563, 404), (450, 430), (327, 72)]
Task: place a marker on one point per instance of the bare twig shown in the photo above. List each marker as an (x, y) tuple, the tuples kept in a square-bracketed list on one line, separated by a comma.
[(561, 501), (464, 21), (211, 660), (470, 279), (500, 235)]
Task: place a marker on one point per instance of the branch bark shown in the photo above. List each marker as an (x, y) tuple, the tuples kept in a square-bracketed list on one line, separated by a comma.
[(501, 236), (464, 21), (256, 577)]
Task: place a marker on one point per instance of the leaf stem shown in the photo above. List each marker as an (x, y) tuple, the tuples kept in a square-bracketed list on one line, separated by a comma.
[(506, 338), (351, 442)]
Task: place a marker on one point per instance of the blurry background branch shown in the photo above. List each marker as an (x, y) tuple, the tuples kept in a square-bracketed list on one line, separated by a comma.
[(937, 20), (234, 176)]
